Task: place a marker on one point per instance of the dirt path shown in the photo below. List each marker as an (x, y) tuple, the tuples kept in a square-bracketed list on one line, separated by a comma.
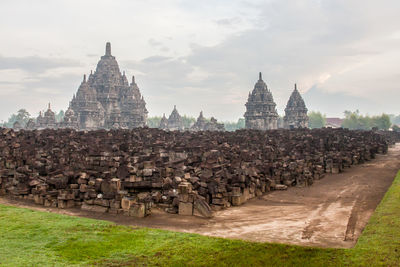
[(330, 213)]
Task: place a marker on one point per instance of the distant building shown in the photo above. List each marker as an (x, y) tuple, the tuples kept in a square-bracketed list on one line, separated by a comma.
[(334, 122), (295, 111), (107, 100), (175, 122), (202, 124), (261, 111), (70, 120), (163, 123)]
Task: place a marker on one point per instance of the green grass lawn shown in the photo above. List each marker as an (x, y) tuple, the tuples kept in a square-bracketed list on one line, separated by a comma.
[(32, 238)]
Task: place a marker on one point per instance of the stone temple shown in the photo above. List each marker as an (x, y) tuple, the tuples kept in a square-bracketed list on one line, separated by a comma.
[(261, 111), (106, 99), (175, 122), (295, 111), (202, 124)]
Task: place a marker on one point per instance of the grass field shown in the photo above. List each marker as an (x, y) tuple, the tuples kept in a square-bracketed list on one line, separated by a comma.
[(32, 238)]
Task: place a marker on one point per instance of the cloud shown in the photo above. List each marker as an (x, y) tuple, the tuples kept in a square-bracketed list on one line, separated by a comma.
[(206, 55), (35, 64), (230, 22), (155, 43)]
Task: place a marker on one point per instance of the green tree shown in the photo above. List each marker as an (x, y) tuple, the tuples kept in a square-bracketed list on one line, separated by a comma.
[(381, 122), (233, 126), (395, 119), (153, 122), (316, 120), (353, 121), (22, 116), (188, 121), (60, 116)]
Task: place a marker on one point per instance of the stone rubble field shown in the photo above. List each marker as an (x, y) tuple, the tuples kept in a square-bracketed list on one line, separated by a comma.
[(189, 173)]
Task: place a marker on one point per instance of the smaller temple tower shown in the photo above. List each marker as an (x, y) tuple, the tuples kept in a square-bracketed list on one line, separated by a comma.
[(261, 111), (48, 120), (202, 124), (70, 120), (175, 122), (163, 123), (295, 111)]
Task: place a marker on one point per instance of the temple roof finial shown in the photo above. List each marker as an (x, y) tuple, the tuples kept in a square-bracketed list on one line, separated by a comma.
[(133, 78), (260, 76), (84, 78), (49, 105), (108, 49)]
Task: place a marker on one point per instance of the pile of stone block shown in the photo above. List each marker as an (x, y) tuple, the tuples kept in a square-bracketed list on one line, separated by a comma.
[(190, 173)]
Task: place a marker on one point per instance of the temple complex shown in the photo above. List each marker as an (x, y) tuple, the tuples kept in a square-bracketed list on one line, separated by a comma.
[(295, 111), (175, 122), (107, 100), (48, 120), (202, 124), (261, 111), (70, 120), (163, 123)]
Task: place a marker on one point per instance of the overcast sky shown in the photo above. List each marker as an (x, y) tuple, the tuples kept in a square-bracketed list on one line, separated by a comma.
[(205, 55)]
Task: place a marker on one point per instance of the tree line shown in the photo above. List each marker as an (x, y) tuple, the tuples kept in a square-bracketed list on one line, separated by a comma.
[(352, 120), (23, 116)]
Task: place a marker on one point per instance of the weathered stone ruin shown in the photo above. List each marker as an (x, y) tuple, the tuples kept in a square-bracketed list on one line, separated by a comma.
[(130, 171), (295, 111), (174, 122), (202, 124), (163, 123), (261, 111), (107, 100), (70, 120), (46, 121)]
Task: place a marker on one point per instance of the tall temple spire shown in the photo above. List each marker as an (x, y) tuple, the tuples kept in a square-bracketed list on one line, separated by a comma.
[(84, 78), (295, 86), (49, 105), (108, 49), (260, 76), (133, 79)]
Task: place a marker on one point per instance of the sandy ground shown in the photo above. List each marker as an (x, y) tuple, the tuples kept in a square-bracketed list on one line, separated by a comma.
[(330, 213)]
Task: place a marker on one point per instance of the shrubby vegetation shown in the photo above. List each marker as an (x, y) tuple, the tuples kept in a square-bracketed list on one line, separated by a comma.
[(395, 119), (153, 122), (22, 116), (316, 119), (233, 126), (354, 120)]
